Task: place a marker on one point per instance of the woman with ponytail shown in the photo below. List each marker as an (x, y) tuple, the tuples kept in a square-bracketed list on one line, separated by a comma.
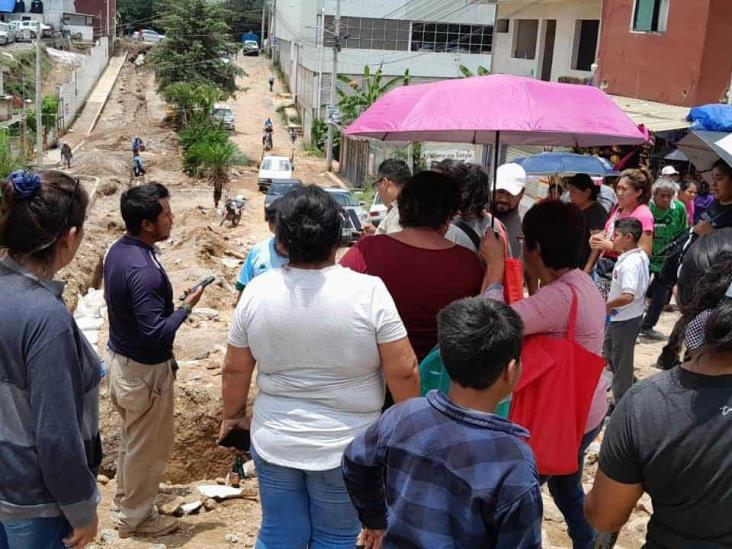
[(634, 193), (324, 339), (49, 375), (670, 435)]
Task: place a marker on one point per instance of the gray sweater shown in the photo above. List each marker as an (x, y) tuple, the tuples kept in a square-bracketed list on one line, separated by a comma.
[(49, 404)]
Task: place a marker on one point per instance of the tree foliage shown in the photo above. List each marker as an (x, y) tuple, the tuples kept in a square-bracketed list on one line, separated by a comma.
[(49, 115), (10, 160), (246, 16), (197, 37), (191, 102), (363, 94), (137, 14)]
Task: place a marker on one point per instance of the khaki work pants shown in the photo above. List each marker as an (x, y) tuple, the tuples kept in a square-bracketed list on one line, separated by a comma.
[(143, 396)]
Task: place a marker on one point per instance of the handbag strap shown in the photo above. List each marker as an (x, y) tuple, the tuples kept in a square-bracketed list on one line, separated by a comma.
[(572, 322), (469, 232)]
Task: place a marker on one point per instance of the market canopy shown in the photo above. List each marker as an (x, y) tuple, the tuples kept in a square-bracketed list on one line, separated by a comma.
[(509, 109), (7, 5)]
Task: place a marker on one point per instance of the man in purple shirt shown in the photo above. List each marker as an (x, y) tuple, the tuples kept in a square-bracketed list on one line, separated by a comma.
[(142, 326)]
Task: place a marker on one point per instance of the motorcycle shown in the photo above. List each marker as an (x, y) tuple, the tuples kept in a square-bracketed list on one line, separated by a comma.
[(233, 208), (267, 139)]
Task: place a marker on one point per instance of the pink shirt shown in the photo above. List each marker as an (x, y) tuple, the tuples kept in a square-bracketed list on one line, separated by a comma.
[(642, 213), (690, 212), (547, 313)]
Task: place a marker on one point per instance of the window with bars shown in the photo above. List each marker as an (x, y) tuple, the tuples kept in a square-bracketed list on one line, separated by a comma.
[(445, 37)]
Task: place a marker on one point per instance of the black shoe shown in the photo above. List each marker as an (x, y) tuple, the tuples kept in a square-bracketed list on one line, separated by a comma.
[(650, 333)]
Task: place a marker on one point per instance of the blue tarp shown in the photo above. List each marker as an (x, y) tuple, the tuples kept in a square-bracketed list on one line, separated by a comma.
[(249, 36), (7, 5), (713, 118)]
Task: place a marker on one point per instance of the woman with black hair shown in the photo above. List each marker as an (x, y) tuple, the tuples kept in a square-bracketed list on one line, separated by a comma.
[(552, 234), (422, 269), (50, 448), (472, 219), (583, 192), (670, 435), (323, 339)]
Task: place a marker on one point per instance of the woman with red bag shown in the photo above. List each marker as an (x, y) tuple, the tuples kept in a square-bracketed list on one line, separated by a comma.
[(552, 233)]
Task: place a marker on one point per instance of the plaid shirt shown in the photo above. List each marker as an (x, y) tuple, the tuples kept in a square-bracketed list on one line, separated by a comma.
[(436, 475)]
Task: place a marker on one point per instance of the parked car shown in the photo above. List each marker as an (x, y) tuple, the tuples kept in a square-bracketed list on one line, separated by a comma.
[(273, 167), (7, 34), (378, 210), (27, 29), (250, 47), (355, 215), (222, 113), (149, 35), (278, 188)]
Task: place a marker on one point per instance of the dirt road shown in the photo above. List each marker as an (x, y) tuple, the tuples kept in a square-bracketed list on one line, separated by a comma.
[(198, 247)]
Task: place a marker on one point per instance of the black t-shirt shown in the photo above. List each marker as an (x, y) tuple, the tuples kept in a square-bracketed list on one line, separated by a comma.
[(595, 217), (720, 216), (673, 433)]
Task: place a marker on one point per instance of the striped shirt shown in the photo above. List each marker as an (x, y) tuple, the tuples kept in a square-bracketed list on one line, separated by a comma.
[(434, 474)]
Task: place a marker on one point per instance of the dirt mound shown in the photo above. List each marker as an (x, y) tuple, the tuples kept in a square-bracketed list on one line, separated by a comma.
[(102, 163), (197, 422)]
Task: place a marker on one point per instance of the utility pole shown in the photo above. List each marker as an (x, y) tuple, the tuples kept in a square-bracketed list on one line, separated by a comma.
[(39, 100), (261, 34), (333, 77)]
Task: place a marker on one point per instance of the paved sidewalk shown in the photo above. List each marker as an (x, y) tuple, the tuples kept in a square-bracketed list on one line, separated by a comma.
[(87, 119)]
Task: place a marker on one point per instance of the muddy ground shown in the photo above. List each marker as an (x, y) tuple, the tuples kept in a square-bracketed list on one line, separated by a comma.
[(199, 246)]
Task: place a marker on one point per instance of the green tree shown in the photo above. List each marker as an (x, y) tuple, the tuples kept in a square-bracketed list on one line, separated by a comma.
[(246, 16), (196, 41), (49, 115), (363, 94), (10, 160), (191, 103), (467, 73), (135, 14), (215, 160)]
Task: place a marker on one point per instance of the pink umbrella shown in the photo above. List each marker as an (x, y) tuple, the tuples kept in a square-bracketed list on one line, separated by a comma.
[(510, 110), (498, 109)]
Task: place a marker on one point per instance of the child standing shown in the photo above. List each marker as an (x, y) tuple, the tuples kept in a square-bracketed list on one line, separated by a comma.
[(625, 303), (443, 470)]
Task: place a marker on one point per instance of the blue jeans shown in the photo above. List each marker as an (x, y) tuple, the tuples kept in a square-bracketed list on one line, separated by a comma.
[(304, 509), (38, 533), (568, 494)]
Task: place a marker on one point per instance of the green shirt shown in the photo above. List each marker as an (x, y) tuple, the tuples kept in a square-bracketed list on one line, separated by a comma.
[(667, 225)]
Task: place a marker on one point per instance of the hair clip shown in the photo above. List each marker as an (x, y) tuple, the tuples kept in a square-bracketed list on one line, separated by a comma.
[(25, 184)]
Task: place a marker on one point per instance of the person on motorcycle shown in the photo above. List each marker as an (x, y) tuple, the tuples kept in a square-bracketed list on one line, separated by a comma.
[(268, 126)]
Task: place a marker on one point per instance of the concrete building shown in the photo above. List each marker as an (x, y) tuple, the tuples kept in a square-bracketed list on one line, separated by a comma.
[(668, 51), (100, 15), (431, 38), (549, 40)]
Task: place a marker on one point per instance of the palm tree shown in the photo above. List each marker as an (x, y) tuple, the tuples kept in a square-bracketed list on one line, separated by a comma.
[(215, 160), (191, 102)]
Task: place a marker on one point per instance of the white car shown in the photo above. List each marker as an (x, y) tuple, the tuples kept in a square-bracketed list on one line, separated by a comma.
[(223, 114), (28, 28), (274, 167), (149, 35), (250, 47), (378, 210), (7, 34), (356, 216)]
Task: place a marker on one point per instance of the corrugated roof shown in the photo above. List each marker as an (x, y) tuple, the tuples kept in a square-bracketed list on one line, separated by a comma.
[(657, 117)]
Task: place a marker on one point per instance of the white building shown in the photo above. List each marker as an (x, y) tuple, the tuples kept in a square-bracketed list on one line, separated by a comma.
[(431, 38), (549, 40)]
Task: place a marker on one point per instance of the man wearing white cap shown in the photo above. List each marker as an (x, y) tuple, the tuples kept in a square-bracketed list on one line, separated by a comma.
[(670, 173), (510, 185)]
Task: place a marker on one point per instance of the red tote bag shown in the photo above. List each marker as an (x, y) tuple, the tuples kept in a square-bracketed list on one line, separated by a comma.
[(513, 272), (554, 394)]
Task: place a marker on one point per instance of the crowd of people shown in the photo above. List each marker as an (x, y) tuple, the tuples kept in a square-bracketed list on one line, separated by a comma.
[(346, 451)]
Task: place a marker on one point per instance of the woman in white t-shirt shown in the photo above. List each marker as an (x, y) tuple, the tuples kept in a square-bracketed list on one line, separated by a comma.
[(323, 338)]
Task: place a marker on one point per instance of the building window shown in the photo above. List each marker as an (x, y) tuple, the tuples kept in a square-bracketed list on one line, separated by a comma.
[(585, 43), (524, 38), (502, 25), (369, 33), (444, 37), (650, 15)]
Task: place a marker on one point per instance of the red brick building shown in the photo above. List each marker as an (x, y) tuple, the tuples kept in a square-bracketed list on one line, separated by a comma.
[(670, 51), (104, 12)]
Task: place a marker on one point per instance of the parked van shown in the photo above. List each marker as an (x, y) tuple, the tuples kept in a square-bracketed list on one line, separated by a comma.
[(222, 113), (7, 34)]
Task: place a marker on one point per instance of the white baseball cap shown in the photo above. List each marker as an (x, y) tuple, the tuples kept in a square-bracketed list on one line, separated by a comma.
[(669, 170), (511, 178)]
